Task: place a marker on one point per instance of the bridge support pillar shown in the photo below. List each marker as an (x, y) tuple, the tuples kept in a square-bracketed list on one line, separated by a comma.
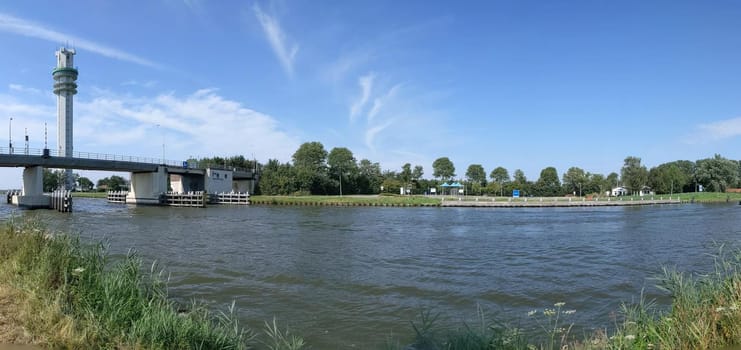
[(33, 189), (147, 188)]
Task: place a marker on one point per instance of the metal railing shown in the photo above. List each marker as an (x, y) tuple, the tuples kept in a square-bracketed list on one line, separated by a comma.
[(121, 158), (89, 155)]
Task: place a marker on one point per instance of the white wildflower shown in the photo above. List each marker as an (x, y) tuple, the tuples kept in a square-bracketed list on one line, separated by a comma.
[(630, 337), (559, 304), (532, 313)]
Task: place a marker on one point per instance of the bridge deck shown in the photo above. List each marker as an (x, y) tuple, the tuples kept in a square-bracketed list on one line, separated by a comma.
[(28, 160)]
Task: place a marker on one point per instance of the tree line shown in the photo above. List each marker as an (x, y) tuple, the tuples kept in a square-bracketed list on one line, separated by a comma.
[(313, 170)]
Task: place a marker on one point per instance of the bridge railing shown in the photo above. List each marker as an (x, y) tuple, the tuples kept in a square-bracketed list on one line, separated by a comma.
[(89, 155)]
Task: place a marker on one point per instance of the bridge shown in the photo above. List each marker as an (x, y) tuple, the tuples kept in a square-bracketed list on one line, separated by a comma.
[(150, 177)]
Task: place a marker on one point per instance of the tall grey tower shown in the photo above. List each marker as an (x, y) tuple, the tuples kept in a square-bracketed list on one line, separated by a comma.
[(65, 86)]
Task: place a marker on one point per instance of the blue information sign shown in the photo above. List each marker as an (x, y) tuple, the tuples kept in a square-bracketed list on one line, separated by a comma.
[(515, 193)]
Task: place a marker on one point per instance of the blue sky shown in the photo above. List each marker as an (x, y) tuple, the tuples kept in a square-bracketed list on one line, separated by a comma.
[(519, 84)]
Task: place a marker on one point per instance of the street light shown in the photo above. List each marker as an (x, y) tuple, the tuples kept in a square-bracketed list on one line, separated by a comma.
[(10, 136), (163, 143), (340, 166)]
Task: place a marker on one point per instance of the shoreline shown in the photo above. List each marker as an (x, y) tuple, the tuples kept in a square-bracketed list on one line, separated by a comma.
[(477, 201), (555, 203)]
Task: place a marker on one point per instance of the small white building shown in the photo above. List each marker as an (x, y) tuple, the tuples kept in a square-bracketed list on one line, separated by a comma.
[(646, 191), (619, 191)]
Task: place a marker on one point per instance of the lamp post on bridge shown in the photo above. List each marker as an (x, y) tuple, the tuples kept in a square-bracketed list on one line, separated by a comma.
[(10, 136), (163, 143)]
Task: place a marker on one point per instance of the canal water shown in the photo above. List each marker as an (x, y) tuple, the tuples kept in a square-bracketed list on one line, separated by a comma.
[(349, 277)]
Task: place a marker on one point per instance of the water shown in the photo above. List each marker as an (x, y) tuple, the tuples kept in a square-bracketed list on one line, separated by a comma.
[(349, 277)]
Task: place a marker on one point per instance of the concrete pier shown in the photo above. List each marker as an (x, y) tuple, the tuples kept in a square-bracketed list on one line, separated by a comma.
[(32, 195), (148, 188)]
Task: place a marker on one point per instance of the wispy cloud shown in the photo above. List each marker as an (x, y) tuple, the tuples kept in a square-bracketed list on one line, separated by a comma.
[(379, 102), (31, 29), (285, 52), (372, 132), (721, 129), (366, 86), (346, 64)]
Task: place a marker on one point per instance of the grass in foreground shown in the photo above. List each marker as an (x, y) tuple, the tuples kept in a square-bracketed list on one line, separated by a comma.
[(70, 296), (705, 314)]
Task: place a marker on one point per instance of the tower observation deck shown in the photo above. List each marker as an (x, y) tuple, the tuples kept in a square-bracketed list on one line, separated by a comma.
[(65, 86)]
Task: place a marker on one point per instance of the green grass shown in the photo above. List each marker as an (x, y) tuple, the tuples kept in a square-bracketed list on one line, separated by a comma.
[(381, 200), (705, 314), (89, 194), (697, 197), (70, 295)]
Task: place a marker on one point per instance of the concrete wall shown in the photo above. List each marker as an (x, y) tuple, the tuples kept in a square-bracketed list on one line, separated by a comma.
[(243, 186), (187, 183), (218, 181)]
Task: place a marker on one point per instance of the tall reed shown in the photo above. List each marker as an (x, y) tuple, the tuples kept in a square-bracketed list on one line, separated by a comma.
[(72, 296)]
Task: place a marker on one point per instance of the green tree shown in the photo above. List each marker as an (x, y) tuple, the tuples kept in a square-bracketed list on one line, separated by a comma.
[(633, 174), (391, 185), (519, 182), (417, 173), (613, 180), (85, 184), (500, 176), (310, 166), (52, 179), (343, 169), (405, 176), (238, 161), (574, 180), (276, 178), (668, 178), (548, 185), (519, 177), (717, 173), (112, 183), (369, 177), (443, 168), (476, 174), (596, 183)]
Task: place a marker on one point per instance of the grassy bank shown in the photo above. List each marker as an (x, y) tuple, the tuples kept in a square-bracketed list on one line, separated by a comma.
[(710, 197), (89, 194), (69, 295), (415, 201), (371, 200)]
